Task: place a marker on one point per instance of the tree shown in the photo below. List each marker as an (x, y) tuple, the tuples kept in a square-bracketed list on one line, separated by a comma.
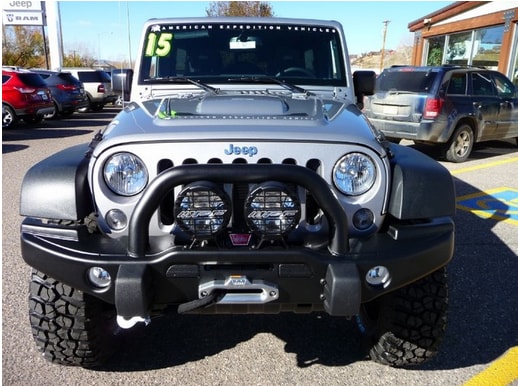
[(240, 8), (23, 46), (75, 59)]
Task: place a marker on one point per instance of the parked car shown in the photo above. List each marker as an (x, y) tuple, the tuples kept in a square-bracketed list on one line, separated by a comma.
[(68, 93), (25, 95), (98, 87), (449, 106)]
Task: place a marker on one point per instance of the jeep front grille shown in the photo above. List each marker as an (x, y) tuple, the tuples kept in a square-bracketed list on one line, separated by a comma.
[(268, 210)]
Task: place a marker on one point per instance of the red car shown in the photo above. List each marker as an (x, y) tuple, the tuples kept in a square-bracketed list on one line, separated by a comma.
[(25, 95)]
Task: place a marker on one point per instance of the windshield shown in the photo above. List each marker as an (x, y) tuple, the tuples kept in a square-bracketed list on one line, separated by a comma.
[(220, 52)]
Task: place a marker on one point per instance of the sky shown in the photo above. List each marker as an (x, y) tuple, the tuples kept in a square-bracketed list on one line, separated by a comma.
[(110, 30)]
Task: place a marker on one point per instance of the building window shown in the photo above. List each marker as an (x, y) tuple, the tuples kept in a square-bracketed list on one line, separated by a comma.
[(479, 47), (459, 48), (513, 65), (487, 46), (435, 50)]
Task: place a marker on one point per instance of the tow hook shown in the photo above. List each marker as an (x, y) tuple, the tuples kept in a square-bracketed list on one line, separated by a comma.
[(128, 323)]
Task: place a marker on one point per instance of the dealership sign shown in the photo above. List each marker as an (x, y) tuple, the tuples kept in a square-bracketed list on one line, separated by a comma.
[(23, 12)]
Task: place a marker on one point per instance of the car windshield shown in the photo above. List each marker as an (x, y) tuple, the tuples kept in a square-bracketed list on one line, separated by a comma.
[(405, 81), (220, 52)]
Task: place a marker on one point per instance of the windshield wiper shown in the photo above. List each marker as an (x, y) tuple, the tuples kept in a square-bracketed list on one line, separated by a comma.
[(266, 79), (174, 79)]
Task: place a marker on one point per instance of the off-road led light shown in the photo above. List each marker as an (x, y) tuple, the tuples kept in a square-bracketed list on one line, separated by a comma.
[(116, 219), (363, 219), (354, 174), (99, 277), (272, 210), (202, 209), (125, 174)]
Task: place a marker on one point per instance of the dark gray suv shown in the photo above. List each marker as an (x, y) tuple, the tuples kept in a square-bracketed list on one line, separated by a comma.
[(450, 106), (68, 93)]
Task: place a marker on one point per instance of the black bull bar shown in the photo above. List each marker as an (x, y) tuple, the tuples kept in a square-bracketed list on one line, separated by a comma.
[(138, 230)]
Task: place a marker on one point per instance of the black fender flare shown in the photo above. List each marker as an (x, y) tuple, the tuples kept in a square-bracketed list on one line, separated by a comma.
[(421, 187), (57, 187)]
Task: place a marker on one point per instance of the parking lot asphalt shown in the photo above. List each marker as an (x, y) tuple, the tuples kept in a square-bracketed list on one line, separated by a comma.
[(480, 346)]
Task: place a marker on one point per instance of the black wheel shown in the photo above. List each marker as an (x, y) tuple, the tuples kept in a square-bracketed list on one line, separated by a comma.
[(33, 119), (9, 118), (66, 113), (54, 113), (96, 106), (86, 108), (406, 327), (460, 144), (70, 327)]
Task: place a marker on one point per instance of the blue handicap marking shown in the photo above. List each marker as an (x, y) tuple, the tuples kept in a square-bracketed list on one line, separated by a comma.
[(500, 204)]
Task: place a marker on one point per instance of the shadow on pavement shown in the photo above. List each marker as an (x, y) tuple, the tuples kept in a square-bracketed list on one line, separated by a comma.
[(483, 293), (481, 150), (78, 124)]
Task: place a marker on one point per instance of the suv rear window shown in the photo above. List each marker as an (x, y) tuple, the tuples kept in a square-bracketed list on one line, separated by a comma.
[(409, 81), (94, 76), (68, 78), (33, 80)]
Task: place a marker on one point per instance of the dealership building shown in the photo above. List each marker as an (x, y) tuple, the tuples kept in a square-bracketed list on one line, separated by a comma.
[(473, 33)]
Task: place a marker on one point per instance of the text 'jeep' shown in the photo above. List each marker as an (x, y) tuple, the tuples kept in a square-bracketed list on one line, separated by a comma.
[(241, 178)]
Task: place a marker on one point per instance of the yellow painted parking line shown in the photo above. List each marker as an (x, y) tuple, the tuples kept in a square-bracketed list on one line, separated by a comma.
[(502, 372), (484, 166)]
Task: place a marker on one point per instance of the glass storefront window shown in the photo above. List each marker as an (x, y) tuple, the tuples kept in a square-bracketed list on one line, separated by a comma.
[(486, 50), (435, 51), (513, 68), (481, 47), (459, 48)]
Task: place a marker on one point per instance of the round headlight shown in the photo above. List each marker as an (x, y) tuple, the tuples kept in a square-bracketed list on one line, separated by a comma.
[(125, 174), (354, 174)]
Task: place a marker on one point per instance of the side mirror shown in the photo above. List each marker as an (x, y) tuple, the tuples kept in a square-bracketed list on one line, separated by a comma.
[(121, 82), (364, 82)]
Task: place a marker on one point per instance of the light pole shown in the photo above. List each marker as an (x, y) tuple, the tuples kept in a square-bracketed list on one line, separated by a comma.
[(382, 58)]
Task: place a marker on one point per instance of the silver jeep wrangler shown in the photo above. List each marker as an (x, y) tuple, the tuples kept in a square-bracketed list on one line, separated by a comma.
[(241, 178)]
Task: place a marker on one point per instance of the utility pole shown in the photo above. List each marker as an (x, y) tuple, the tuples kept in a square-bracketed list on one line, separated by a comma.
[(385, 25)]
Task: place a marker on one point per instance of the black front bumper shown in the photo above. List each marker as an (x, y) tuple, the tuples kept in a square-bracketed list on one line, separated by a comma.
[(150, 272), (306, 279)]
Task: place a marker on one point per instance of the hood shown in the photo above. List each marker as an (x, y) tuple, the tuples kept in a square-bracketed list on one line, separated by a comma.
[(252, 115)]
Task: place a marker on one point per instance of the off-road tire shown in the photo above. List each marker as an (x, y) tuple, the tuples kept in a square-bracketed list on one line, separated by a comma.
[(461, 143), (70, 327), (405, 327)]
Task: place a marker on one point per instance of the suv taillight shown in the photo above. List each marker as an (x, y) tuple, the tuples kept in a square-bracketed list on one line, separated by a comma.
[(432, 107), (67, 87), (101, 88), (25, 90)]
